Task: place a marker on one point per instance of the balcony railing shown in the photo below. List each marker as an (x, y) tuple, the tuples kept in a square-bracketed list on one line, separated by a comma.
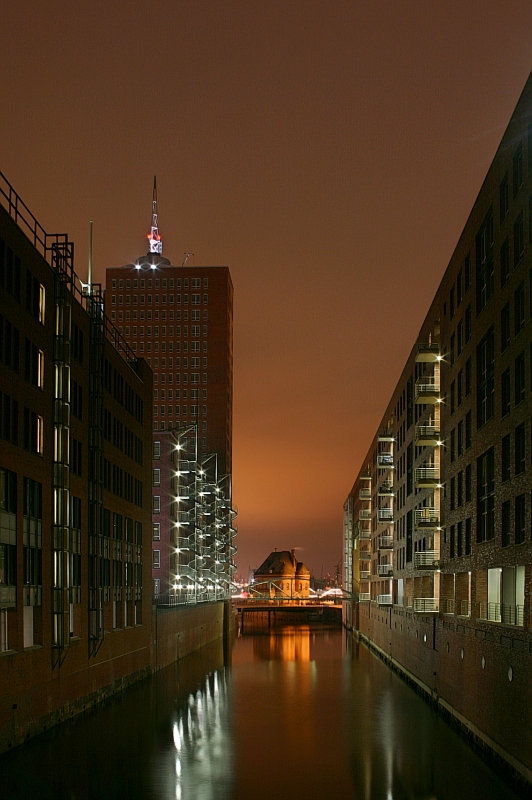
[(448, 606), (8, 596), (426, 517), (385, 542), (364, 494), (364, 513), (364, 575), (385, 514), (385, 436), (427, 605), (427, 435), (362, 596), (385, 460), (427, 477), (427, 390), (427, 353), (384, 599), (364, 555), (385, 489), (426, 559), (463, 608), (385, 570), (502, 612), (364, 534)]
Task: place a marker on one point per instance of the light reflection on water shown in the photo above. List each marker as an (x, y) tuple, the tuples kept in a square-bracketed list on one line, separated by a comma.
[(295, 713)]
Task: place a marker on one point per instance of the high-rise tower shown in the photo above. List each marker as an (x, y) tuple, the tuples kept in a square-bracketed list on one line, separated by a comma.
[(180, 319)]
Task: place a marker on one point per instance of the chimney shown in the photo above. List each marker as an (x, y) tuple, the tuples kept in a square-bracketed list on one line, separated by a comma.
[(293, 554)]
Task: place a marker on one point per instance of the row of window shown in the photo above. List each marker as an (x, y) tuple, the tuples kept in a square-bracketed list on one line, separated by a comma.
[(195, 315), (158, 283), (171, 410), (194, 347), (194, 330), (142, 299), (179, 378), (121, 483), (122, 391)]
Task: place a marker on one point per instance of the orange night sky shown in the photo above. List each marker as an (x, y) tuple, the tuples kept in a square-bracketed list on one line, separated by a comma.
[(327, 151)]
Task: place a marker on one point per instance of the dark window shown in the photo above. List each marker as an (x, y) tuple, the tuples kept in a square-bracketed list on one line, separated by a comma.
[(451, 304), (468, 323), (452, 549), (468, 377), (520, 512), (460, 489), (459, 337), (505, 392), (519, 378), (486, 496), (452, 448), (453, 493), (505, 262), (459, 538), (505, 458), (520, 447), (459, 288), (460, 438), (460, 388), (504, 198), (468, 484), (467, 272), (517, 170), (453, 395), (451, 350), (505, 327), (505, 523), (485, 276), (519, 239), (486, 378), (468, 536), (468, 430), (519, 308)]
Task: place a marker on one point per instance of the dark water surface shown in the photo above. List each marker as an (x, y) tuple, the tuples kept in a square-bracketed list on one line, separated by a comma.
[(297, 714)]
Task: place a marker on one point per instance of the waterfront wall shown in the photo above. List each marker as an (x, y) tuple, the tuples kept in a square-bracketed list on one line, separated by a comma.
[(37, 694), (477, 676)]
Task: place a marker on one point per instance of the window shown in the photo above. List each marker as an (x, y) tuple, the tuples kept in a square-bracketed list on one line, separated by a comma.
[(505, 459), (453, 493), (505, 262), (520, 511), (517, 170), (156, 450), (505, 327), (156, 531), (460, 438), (468, 430), (452, 448), (519, 308), (485, 378), (519, 239), (519, 378), (467, 272), (484, 250), (505, 523), (520, 446), (156, 477), (468, 483), (468, 377), (505, 392), (459, 288), (156, 559), (452, 549), (504, 198), (486, 496), (451, 303), (453, 394), (156, 504), (460, 489), (468, 527), (460, 388)]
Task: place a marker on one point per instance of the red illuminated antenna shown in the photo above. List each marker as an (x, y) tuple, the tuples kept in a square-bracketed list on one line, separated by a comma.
[(156, 244)]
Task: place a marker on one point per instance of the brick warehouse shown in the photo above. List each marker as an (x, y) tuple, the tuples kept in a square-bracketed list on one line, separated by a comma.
[(75, 477), (180, 319), (437, 526)]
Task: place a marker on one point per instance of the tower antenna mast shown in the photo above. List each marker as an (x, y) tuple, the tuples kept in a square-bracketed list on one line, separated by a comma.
[(156, 244)]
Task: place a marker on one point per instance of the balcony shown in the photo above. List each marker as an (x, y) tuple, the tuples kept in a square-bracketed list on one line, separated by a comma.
[(385, 543), (426, 605), (427, 390), (364, 513), (428, 353), (384, 599), (426, 559), (363, 596), (427, 435), (427, 477), (364, 575), (364, 535), (8, 596), (427, 517), (385, 489), (385, 570), (385, 460), (385, 514), (464, 608), (385, 436), (501, 612), (364, 494), (364, 555)]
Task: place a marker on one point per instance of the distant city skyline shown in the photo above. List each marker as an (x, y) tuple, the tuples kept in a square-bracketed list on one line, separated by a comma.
[(328, 155)]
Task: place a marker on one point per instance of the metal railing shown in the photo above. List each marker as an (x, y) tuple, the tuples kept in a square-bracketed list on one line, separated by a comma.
[(463, 608), (448, 606), (426, 604), (364, 555), (385, 514), (385, 542), (364, 575), (502, 612), (429, 473), (384, 459), (425, 517), (426, 558), (384, 599), (429, 432), (364, 596), (364, 534), (385, 569), (364, 494), (364, 513), (386, 488)]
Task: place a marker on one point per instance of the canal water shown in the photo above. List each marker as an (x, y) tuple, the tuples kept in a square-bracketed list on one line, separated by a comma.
[(291, 714)]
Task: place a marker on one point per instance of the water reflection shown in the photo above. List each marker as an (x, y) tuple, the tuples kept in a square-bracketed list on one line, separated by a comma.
[(203, 748), (290, 643)]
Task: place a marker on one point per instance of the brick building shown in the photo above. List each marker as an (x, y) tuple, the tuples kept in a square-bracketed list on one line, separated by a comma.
[(181, 320), (75, 475), (437, 526)]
